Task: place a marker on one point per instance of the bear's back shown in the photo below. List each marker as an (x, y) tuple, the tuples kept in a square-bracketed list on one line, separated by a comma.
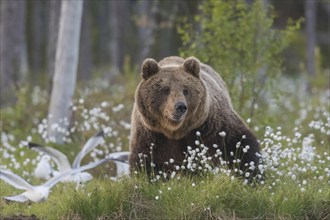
[(171, 61), (217, 87)]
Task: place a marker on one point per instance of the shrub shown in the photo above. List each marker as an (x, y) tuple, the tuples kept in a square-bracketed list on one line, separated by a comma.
[(238, 40)]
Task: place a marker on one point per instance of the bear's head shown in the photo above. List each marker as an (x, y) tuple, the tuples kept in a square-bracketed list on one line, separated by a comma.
[(172, 98)]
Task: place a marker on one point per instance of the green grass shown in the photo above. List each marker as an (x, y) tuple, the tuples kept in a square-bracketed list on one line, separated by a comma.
[(281, 196), (213, 197)]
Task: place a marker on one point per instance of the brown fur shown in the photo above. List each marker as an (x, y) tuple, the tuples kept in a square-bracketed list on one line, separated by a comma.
[(209, 110)]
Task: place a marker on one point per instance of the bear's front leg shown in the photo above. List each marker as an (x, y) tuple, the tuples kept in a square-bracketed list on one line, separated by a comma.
[(140, 159)]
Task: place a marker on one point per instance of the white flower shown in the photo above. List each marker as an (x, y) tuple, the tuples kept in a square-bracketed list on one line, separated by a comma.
[(198, 133), (297, 135), (173, 174), (307, 151), (104, 104), (222, 133), (29, 138), (118, 108)]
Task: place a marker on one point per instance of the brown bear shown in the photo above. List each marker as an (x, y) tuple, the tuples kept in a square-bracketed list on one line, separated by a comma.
[(178, 101)]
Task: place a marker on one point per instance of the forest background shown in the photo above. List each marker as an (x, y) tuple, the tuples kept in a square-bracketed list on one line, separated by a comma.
[(250, 46), (121, 34)]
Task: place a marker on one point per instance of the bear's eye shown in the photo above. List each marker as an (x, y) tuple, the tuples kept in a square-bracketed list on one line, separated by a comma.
[(166, 91), (185, 92)]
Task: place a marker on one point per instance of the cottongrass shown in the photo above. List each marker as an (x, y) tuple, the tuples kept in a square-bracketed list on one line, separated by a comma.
[(15, 155), (296, 163)]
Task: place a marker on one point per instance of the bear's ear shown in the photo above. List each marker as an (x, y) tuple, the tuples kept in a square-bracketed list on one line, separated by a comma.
[(149, 68), (191, 65)]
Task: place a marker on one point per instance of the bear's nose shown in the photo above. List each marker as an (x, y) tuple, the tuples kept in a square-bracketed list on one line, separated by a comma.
[(180, 107)]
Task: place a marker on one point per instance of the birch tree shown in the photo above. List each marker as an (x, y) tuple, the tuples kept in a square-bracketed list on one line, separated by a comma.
[(66, 62)]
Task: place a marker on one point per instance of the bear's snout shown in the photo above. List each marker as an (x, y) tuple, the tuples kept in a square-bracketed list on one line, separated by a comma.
[(180, 108)]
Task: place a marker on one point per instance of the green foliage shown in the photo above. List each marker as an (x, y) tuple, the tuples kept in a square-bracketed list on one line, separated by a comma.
[(184, 198), (102, 199), (238, 40)]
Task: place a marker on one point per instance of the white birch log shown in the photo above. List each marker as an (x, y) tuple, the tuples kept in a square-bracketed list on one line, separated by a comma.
[(66, 62)]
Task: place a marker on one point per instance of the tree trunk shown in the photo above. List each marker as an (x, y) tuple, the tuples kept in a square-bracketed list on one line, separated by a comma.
[(146, 22), (166, 38), (54, 8), (101, 29), (21, 47), (37, 35), (13, 56), (118, 11), (85, 54), (64, 81), (310, 15)]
